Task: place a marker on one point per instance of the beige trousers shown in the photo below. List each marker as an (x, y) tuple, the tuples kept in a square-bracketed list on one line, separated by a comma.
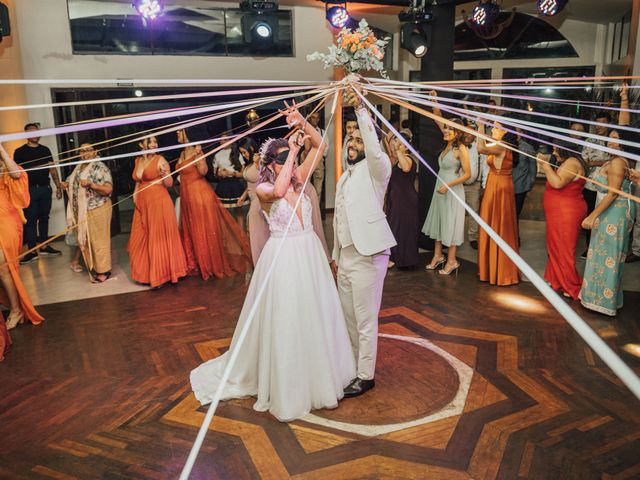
[(360, 283)]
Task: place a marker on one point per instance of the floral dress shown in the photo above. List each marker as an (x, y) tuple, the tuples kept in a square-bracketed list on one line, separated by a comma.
[(601, 287)]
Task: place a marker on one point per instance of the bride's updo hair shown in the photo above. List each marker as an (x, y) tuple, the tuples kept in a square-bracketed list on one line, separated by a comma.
[(268, 154)]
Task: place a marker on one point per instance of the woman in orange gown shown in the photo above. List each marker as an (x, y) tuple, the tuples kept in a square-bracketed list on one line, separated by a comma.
[(155, 249), (14, 196), (213, 242), (498, 209)]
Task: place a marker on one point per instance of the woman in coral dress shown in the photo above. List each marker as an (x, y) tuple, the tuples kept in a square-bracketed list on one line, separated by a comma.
[(498, 209), (213, 242), (155, 249), (14, 196), (564, 210)]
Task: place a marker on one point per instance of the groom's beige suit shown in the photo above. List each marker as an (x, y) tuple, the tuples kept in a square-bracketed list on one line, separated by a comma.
[(361, 242)]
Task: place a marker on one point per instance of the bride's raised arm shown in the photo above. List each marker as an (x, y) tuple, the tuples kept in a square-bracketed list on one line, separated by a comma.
[(314, 156), (270, 192)]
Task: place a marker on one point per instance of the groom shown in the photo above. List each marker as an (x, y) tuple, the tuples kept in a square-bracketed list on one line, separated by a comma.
[(361, 242)]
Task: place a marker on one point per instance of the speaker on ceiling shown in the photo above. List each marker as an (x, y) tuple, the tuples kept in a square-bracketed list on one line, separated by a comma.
[(5, 27)]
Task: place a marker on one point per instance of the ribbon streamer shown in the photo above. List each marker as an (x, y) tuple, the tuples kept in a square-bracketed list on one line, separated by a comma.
[(175, 172), (117, 122), (233, 353), (157, 98), (608, 356), (490, 139)]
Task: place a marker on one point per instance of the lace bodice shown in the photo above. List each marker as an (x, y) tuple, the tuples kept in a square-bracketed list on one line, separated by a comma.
[(280, 212)]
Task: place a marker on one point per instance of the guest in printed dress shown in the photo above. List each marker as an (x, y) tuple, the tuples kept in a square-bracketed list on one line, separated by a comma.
[(595, 158), (89, 188), (610, 224)]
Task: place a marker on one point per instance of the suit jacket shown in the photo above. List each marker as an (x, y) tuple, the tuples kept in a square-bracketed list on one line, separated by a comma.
[(364, 204)]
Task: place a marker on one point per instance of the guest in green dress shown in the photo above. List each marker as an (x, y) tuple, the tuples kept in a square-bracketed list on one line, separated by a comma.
[(611, 224), (445, 220)]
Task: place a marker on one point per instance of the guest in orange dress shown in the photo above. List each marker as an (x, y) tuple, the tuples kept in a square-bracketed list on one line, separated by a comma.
[(498, 209), (564, 211), (213, 242), (14, 196), (155, 249)]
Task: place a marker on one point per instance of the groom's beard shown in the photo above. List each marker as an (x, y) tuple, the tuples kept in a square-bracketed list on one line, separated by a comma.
[(358, 158)]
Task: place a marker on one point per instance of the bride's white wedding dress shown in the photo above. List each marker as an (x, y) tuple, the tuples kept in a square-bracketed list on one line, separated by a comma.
[(297, 356)]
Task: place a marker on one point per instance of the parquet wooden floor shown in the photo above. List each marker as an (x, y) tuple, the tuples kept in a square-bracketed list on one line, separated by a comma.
[(100, 391)]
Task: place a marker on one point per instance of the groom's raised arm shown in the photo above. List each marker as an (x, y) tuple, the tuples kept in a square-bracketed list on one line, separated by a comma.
[(379, 164)]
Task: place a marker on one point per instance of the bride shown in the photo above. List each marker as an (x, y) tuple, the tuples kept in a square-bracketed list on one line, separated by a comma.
[(296, 356)]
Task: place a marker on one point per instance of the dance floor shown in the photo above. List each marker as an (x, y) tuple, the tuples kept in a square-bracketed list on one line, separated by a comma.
[(472, 382)]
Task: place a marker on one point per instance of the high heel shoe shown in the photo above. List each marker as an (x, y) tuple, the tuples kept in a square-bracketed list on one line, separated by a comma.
[(15, 317), (455, 268), (429, 267)]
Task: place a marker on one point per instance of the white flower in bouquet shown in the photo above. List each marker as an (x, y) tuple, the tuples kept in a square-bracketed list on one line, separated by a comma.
[(356, 50)]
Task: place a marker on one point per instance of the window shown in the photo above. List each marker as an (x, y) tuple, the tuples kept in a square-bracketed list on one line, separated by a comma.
[(113, 27), (620, 40), (574, 96), (525, 37)]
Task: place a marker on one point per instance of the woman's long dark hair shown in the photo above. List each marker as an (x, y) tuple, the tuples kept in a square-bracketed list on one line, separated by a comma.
[(234, 157), (512, 140), (455, 143), (250, 145), (563, 148), (627, 136)]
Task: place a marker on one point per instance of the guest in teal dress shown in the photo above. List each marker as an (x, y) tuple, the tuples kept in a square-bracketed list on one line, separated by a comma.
[(445, 220), (611, 224)]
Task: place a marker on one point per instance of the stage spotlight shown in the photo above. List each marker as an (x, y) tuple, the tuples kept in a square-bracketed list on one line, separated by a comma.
[(260, 23), (551, 7), (260, 29), (415, 38), (338, 17), (149, 9), (485, 13)]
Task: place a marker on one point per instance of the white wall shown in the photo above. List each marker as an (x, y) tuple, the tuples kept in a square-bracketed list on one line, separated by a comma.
[(45, 39)]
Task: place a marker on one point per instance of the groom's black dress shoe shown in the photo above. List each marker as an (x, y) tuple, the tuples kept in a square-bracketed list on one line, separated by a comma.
[(358, 386)]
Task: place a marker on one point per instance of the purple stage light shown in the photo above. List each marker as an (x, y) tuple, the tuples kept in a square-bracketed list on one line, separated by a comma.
[(338, 17), (551, 7), (485, 13), (149, 9)]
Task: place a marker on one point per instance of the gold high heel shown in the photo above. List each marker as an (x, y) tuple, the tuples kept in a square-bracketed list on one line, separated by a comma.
[(15, 317), (455, 268), (435, 267)]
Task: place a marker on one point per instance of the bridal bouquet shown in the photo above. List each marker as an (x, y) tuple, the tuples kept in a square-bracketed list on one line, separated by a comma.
[(356, 50)]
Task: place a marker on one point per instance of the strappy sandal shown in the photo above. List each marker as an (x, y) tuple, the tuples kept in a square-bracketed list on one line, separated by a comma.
[(439, 262), (76, 267), (100, 277)]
